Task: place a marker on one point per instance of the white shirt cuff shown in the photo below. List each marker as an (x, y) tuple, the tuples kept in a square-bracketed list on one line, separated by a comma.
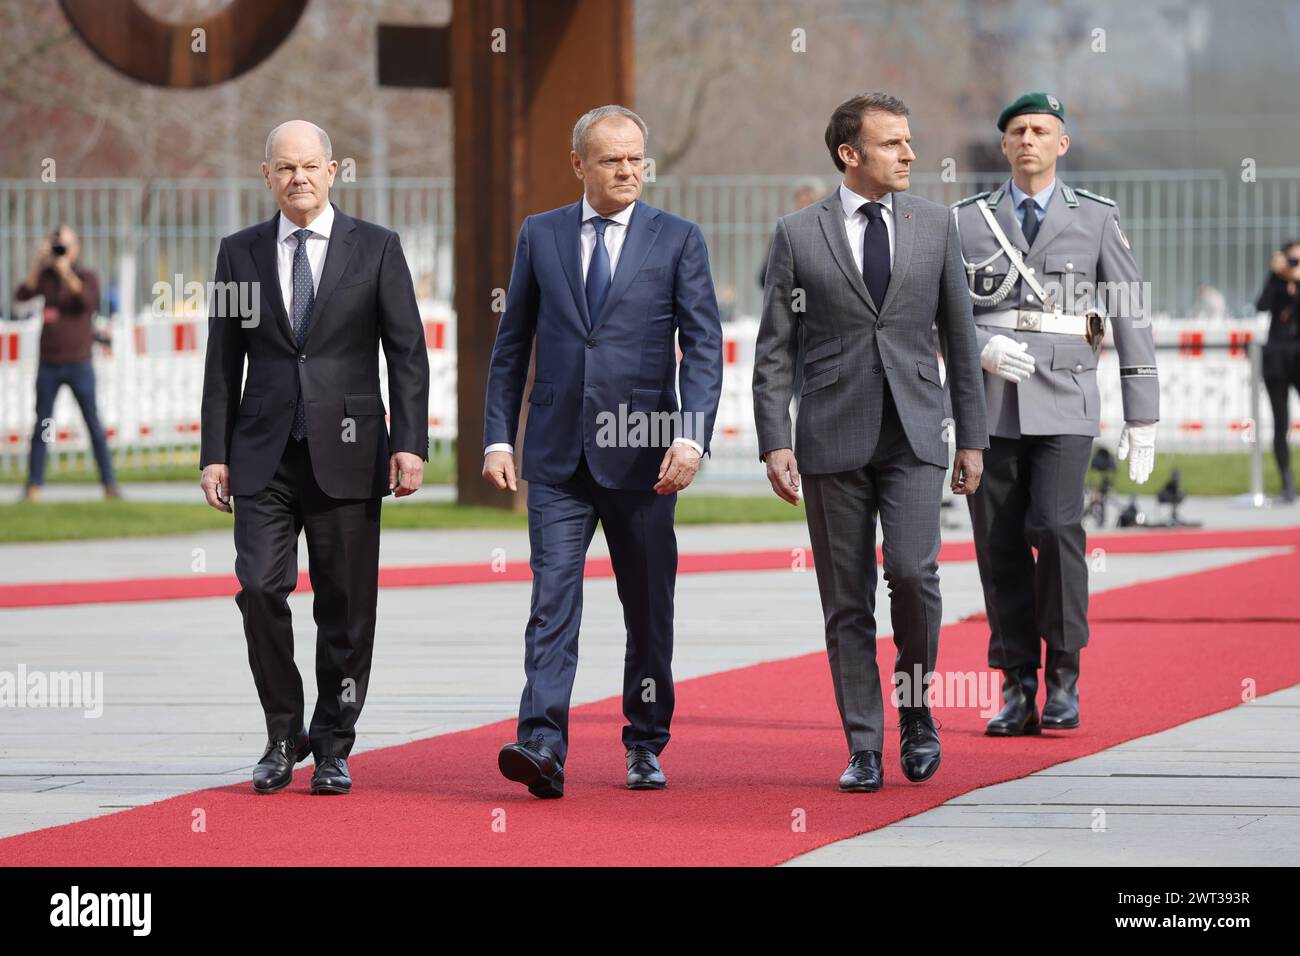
[(498, 446), (693, 444)]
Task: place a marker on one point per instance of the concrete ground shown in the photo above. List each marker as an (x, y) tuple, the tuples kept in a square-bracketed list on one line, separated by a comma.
[(180, 712)]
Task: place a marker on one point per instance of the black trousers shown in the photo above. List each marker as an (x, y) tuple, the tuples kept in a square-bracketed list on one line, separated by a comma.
[(1031, 498), (343, 551), (1281, 374), (643, 551)]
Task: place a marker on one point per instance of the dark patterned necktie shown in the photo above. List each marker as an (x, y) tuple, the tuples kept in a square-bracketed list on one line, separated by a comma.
[(1030, 224), (598, 272), (304, 297), (875, 252)]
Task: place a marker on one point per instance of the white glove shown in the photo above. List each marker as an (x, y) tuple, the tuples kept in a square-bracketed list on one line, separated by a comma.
[(1141, 440), (1007, 358)]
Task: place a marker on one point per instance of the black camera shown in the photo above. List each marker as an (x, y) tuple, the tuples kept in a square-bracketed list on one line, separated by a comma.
[(57, 248)]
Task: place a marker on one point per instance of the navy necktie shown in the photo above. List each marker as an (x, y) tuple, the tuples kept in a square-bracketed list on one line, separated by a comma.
[(304, 297), (1029, 224), (875, 252), (598, 272)]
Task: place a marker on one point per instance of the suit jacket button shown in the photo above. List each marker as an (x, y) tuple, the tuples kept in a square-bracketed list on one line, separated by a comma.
[(591, 343), (301, 359), (880, 325), (876, 368)]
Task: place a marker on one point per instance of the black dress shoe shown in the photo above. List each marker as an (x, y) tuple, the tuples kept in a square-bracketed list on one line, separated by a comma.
[(274, 771), (643, 770), (1019, 713), (535, 764), (863, 774), (1061, 709), (918, 743), (331, 776)]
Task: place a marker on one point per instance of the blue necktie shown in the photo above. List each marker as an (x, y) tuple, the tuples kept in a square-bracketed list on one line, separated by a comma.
[(1029, 224), (598, 276), (875, 252), (304, 297)]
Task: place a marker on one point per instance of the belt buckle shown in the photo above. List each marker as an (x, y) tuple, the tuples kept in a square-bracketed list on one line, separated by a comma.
[(1028, 321)]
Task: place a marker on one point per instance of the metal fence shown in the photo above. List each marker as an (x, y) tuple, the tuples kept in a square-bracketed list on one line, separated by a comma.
[(1188, 227), (135, 234)]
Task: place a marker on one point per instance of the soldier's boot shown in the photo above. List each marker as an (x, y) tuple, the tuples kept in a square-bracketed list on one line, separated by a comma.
[(1019, 713), (1061, 709)]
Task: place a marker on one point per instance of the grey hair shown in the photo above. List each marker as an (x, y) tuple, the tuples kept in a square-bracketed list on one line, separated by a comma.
[(325, 144), (582, 128)]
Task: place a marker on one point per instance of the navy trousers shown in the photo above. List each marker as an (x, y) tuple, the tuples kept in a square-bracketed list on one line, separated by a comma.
[(638, 527)]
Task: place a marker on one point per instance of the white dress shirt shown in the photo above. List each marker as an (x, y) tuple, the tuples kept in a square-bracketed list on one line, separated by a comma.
[(1040, 198), (615, 234), (855, 223), (287, 244)]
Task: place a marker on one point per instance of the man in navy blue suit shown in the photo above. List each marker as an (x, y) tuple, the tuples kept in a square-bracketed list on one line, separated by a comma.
[(608, 288)]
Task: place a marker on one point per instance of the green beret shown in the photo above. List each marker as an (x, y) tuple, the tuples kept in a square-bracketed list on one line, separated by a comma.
[(1032, 103)]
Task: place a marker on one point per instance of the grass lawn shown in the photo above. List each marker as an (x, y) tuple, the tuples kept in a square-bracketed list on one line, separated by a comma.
[(68, 521), (64, 521)]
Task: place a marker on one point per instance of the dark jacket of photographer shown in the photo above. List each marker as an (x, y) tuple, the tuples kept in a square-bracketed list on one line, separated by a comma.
[(66, 340)]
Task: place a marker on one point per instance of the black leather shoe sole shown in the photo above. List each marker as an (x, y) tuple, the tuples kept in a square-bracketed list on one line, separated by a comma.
[(861, 787), (516, 765), (647, 785), (330, 789), (1060, 724), (298, 758), (1001, 730)]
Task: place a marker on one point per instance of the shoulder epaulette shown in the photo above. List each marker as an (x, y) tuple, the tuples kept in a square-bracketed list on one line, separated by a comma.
[(995, 197), (968, 200), (1104, 199)]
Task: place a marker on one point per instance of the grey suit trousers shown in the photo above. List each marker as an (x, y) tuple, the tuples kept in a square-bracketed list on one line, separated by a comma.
[(842, 507)]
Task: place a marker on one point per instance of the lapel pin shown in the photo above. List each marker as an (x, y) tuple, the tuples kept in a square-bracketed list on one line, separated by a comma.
[(907, 215)]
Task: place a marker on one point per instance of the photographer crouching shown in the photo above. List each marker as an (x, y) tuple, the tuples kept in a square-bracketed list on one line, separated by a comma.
[(71, 296)]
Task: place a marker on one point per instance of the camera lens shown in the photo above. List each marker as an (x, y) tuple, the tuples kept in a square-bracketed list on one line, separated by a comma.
[(60, 249), (1293, 261)]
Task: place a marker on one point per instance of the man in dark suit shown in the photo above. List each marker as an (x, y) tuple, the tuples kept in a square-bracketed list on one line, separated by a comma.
[(305, 446), (865, 276), (607, 288)]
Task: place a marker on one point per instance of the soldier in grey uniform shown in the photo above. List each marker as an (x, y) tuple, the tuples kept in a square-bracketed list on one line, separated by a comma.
[(1051, 273)]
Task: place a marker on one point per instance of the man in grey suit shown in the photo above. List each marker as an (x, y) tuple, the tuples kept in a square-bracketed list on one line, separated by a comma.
[(1041, 257), (865, 276)]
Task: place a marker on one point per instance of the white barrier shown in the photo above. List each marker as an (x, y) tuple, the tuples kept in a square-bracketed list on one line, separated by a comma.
[(149, 387)]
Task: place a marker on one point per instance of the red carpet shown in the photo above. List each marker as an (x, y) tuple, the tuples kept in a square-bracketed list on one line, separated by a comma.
[(754, 749), (189, 586)]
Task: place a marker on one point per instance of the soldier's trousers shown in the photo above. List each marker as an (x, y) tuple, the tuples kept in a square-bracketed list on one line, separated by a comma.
[(1031, 498)]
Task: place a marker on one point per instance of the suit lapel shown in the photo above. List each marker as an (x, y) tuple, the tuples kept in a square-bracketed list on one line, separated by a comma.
[(568, 243), (264, 261), (642, 231), (1056, 218), (831, 219), (342, 242), (903, 234)]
